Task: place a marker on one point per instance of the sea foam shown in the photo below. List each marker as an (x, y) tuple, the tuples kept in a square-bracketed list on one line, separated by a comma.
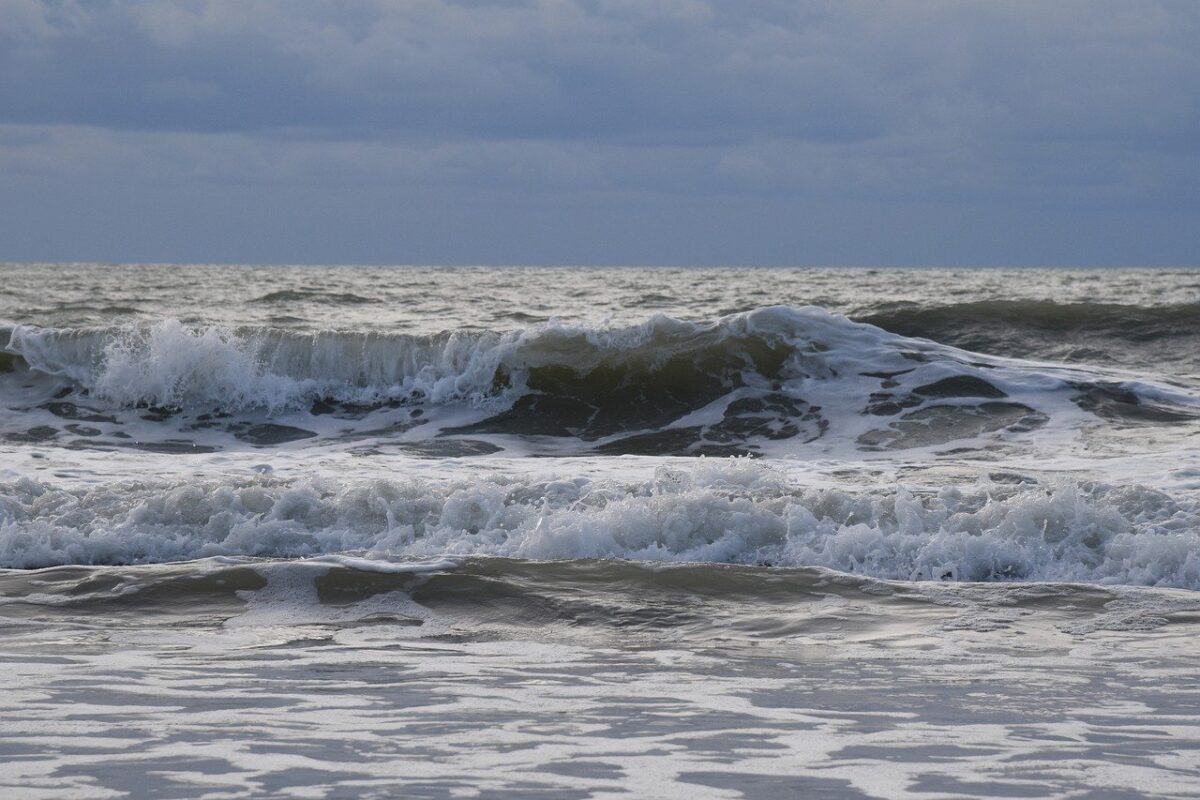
[(730, 511)]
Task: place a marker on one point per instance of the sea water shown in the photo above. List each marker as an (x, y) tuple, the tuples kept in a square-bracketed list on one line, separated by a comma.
[(428, 532)]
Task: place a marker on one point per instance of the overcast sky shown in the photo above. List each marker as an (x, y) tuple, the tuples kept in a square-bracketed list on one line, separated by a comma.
[(601, 131)]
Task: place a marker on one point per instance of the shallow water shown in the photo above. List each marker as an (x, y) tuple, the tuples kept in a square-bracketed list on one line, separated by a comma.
[(352, 531)]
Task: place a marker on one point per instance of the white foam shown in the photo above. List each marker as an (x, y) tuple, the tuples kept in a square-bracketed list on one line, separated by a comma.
[(290, 596), (732, 511), (381, 566), (171, 364)]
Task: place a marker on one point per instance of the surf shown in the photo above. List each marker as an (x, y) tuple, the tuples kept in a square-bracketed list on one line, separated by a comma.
[(735, 386)]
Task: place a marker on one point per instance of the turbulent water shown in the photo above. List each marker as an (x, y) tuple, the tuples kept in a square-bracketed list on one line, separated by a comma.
[(716, 532)]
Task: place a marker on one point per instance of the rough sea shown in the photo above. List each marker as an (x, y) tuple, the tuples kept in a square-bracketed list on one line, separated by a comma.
[(569, 533)]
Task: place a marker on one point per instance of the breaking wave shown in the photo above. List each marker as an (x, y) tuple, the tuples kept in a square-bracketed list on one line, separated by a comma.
[(660, 370), (662, 387), (736, 512)]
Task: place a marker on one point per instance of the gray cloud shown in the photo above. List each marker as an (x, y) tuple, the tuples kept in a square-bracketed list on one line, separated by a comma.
[(1017, 110)]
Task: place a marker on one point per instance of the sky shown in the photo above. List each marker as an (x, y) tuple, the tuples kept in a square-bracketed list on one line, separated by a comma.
[(680, 132)]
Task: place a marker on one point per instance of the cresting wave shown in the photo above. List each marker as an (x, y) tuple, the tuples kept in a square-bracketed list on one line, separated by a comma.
[(726, 511), (172, 364), (782, 364)]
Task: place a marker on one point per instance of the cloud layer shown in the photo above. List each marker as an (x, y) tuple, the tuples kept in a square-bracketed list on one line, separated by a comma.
[(610, 131)]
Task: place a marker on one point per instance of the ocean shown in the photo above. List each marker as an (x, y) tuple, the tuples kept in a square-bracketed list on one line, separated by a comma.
[(582, 532)]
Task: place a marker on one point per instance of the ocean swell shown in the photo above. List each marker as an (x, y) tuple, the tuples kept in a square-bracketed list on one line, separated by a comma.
[(1077, 332)]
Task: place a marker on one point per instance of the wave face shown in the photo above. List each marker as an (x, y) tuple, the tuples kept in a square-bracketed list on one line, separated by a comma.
[(724, 512), (172, 364), (736, 386)]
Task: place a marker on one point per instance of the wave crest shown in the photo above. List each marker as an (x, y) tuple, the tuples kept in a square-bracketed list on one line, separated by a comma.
[(171, 364), (665, 386)]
